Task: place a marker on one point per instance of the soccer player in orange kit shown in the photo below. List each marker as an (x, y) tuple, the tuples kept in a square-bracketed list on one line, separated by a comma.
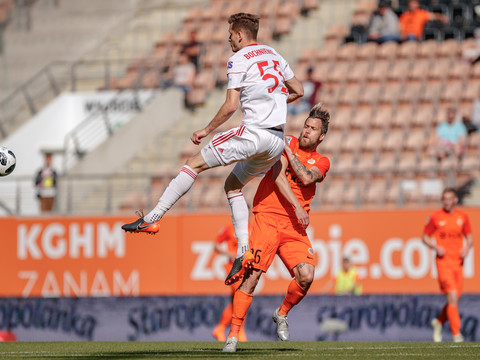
[(449, 226), (227, 236), (281, 207)]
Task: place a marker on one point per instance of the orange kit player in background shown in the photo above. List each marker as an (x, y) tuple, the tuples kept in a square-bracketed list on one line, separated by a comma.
[(280, 208), (227, 236), (449, 226)]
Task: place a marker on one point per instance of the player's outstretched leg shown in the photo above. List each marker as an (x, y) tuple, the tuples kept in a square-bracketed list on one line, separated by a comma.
[(140, 225), (282, 325), (175, 190), (230, 345), (240, 265), (437, 330)]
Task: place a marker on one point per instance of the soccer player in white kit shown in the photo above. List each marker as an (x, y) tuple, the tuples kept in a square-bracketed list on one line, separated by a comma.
[(262, 81)]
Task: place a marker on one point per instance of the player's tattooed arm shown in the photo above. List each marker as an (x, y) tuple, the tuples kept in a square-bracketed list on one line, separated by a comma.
[(283, 185), (308, 176)]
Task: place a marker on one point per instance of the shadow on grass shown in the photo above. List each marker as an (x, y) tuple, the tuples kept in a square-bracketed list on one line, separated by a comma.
[(207, 353)]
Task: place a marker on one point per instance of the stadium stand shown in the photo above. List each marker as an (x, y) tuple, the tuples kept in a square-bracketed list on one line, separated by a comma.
[(385, 102), (384, 110)]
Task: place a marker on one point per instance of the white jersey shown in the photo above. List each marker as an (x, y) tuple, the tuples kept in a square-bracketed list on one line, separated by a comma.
[(261, 73)]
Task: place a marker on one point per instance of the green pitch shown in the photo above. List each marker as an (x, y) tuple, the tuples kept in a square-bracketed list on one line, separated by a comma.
[(250, 350)]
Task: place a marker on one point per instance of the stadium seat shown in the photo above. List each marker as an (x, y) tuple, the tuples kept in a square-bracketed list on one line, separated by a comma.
[(367, 51), (420, 68), (383, 115), (408, 162), (367, 161), (361, 116), (428, 49), (347, 51), (393, 141), (373, 140), (332, 143), (452, 90), (408, 50), (391, 91), (379, 70), (358, 71), (400, 69), (345, 162), (375, 193), (371, 92), (387, 162), (387, 50)]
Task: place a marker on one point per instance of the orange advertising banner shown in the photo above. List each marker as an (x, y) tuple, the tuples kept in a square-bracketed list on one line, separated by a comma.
[(92, 256)]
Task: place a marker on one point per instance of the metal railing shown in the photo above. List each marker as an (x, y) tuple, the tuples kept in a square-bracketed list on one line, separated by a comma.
[(78, 194), (100, 125), (57, 77)]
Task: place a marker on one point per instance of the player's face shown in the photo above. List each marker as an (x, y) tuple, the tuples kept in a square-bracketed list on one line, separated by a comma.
[(234, 39), (449, 200), (311, 134)]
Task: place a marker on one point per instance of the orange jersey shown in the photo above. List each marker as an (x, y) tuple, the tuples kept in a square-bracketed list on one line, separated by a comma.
[(449, 230), (227, 235), (413, 22), (268, 198)]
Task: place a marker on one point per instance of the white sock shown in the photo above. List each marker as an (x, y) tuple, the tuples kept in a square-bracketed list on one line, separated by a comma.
[(239, 209), (174, 191)]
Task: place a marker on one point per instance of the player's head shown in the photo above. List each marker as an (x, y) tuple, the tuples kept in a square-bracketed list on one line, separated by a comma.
[(451, 114), (48, 158), (315, 128), (346, 263), (449, 199), (413, 5), (243, 30)]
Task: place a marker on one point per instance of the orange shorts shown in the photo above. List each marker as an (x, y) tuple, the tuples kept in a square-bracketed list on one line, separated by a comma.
[(450, 278), (273, 234)]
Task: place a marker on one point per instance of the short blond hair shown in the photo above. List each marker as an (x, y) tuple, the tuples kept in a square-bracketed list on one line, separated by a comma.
[(320, 112)]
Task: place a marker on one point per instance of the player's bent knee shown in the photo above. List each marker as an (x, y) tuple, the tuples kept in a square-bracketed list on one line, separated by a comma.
[(304, 275), (232, 184), (197, 163)]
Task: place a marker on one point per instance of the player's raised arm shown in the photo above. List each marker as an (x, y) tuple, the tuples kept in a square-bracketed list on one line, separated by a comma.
[(295, 89), (285, 189), (225, 112)]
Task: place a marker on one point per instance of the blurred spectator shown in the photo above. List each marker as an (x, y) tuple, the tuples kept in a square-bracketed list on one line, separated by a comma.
[(227, 237), (193, 48), (184, 75), (384, 25), (311, 87), (450, 137), (7, 336), (469, 125), (46, 184), (346, 281), (412, 21), (472, 54), (475, 118)]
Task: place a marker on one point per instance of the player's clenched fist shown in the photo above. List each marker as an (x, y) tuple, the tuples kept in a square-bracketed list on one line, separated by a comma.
[(198, 135)]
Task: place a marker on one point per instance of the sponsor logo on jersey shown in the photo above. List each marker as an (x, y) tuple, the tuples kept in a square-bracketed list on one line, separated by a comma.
[(459, 222), (311, 161), (310, 250), (230, 65), (441, 223), (288, 139)]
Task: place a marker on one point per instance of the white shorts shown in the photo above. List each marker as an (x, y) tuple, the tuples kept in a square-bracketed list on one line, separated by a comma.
[(254, 150)]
